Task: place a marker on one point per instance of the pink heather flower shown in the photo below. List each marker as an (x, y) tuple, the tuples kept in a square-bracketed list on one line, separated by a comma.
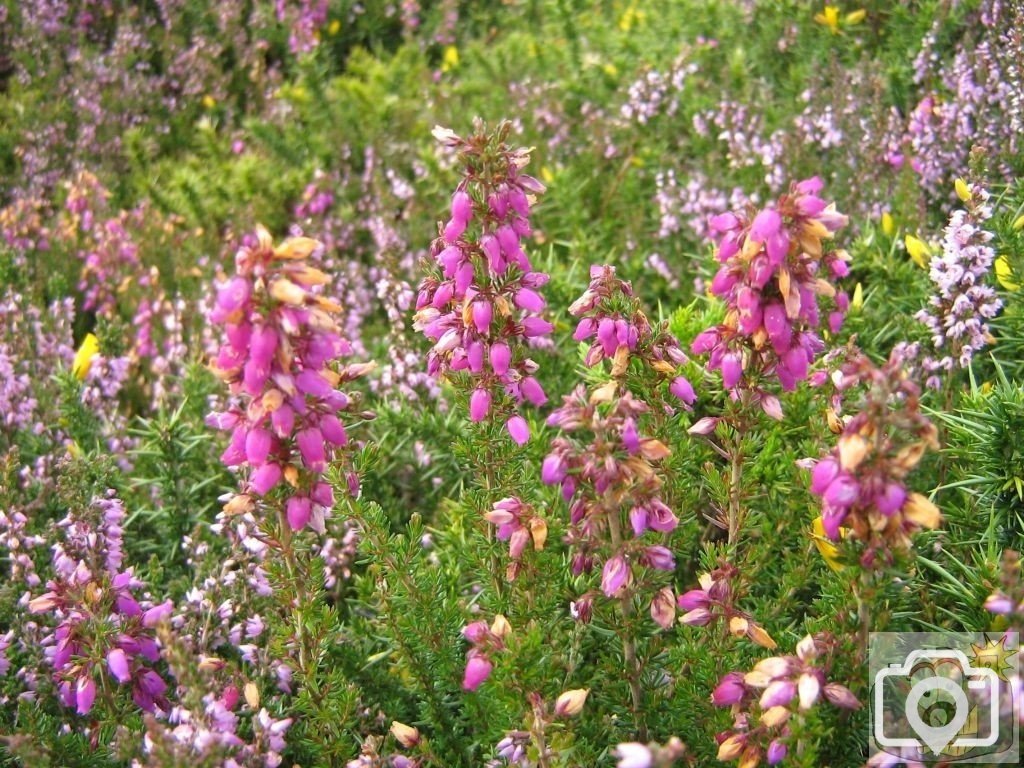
[(730, 690), (773, 269), (478, 669), (281, 336), (479, 404), (862, 482), (480, 264), (776, 752), (633, 755), (298, 510), (518, 429), (615, 575), (117, 661), (958, 314), (85, 695), (618, 330)]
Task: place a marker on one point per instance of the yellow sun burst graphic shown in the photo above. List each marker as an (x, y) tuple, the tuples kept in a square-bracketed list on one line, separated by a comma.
[(994, 655)]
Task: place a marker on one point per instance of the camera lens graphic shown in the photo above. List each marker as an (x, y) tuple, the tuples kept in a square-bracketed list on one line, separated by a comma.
[(945, 708)]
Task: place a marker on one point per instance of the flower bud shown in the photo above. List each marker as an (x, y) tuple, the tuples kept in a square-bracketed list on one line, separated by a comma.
[(404, 734), (570, 703)]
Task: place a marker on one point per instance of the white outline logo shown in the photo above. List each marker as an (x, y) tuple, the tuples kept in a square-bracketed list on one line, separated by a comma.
[(937, 738)]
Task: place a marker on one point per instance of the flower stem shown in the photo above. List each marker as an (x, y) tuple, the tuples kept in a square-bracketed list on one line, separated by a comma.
[(626, 635), (735, 486)]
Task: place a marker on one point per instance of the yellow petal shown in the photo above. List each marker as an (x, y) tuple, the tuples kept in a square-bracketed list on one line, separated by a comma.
[(1004, 274), (962, 190), (856, 17), (917, 250), (829, 551), (450, 59), (858, 298), (888, 225), (1018, 223), (89, 348)]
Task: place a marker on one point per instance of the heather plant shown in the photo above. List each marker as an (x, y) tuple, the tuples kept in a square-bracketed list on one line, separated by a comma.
[(657, 436)]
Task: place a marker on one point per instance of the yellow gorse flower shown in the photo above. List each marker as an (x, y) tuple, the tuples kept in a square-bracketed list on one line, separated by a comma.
[(857, 302), (89, 348), (828, 550), (888, 224), (829, 17), (632, 17), (450, 59), (962, 190), (918, 250), (1004, 274)]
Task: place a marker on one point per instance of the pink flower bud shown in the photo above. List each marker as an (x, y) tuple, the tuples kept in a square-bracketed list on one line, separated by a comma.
[(681, 388), (891, 499), (732, 369), (766, 224), (283, 421), (536, 326), (479, 404), (265, 478), (518, 429), (117, 662), (584, 329), (85, 694), (501, 356), (482, 314), (257, 446), (698, 617), (475, 631), (776, 752), (333, 430), (553, 469), (842, 492), (663, 608), (778, 694), (533, 391), (695, 598), (841, 696), (157, 614), (474, 357), (263, 344), (298, 511), (478, 669), (453, 230), (730, 690), (824, 472), (615, 575), (529, 300), (659, 557), (311, 446), (462, 206)]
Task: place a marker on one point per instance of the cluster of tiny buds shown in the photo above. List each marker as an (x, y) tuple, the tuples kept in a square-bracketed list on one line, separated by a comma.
[(763, 701), (714, 600)]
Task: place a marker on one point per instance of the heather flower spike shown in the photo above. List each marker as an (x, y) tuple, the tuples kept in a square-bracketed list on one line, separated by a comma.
[(612, 321), (481, 305), (862, 481), (282, 341), (764, 700), (775, 268), (964, 302)]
